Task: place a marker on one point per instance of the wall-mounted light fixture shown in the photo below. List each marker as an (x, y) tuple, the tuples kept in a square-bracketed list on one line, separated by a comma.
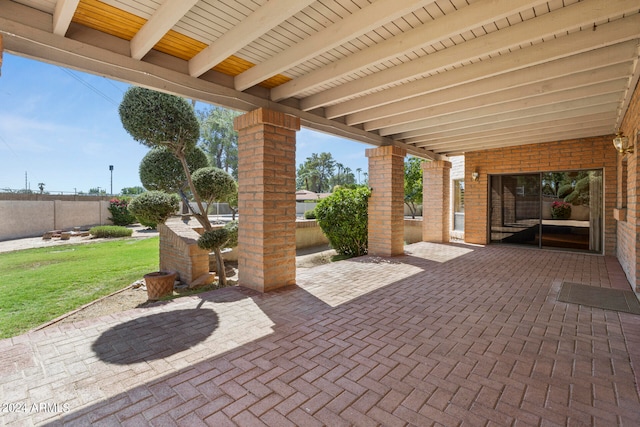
[(475, 175), (622, 144)]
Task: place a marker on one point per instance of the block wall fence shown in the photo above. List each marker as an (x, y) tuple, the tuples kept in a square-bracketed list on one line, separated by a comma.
[(30, 215)]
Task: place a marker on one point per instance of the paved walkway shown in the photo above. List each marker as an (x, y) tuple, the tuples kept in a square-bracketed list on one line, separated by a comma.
[(445, 335)]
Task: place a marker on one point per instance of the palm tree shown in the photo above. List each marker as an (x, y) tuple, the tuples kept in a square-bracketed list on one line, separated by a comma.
[(359, 170)]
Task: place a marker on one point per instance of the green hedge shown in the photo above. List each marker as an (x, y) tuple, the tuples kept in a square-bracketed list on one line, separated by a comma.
[(110, 231)]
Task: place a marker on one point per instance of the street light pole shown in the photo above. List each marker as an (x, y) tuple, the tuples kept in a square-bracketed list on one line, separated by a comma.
[(111, 170)]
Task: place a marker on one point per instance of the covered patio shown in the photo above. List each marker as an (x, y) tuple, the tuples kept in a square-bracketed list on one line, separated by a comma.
[(425, 334), (443, 335), (516, 86)]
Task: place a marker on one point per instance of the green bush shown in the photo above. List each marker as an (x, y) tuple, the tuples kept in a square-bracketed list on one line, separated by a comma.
[(343, 218), (110, 231), (213, 239), (119, 209), (154, 207), (225, 237), (310, 214)]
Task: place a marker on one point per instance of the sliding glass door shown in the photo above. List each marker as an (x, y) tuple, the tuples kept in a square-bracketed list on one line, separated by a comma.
[(551, 209)]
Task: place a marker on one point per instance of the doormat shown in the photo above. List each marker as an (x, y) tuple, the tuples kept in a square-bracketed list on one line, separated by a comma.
[(594, 296)]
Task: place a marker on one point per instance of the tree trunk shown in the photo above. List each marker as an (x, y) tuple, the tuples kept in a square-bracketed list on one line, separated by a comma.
[(202, 216), (222, 274)]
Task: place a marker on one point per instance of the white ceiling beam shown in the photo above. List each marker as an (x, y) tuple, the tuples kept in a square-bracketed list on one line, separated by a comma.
[(531, 130), (463, 20), (533, 136), (601, 79), (608, 34), (524, 116), (603, 123), (354, 25), (586, 68), (534, 30), (62, 16), (583, 133), (261, 21), (505, 123), (524, 106), (163, 19)]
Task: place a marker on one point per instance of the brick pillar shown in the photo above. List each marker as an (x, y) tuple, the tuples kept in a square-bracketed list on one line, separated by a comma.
[(436, 198), (266, 199), (386, 205)]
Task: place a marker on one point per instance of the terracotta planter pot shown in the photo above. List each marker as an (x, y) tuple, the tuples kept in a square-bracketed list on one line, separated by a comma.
[(159, 284)]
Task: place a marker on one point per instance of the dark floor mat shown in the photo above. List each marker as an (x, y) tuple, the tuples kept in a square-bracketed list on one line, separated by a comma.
[(594, 296)]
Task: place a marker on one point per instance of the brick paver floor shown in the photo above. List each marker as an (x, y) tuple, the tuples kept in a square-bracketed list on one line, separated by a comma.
[(444, 335)]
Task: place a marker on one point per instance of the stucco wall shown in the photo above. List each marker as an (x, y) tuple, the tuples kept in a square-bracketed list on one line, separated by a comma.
[(32, 215)]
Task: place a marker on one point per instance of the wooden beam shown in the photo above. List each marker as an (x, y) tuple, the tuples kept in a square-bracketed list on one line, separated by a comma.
[(586, 68), (354, 25), (522, 115), (252, 27), (62, 15), (569, 18), (615, 32), (511, 100), (506, 122), (467, 18), (162, 20)]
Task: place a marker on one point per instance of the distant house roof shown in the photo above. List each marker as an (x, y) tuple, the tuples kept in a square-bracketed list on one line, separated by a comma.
[(302, 195)]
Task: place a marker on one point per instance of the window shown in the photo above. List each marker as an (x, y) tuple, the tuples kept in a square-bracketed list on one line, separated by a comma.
[(458, 204)]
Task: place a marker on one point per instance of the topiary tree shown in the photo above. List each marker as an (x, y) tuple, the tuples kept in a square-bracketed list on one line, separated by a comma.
[(161, 120), (161, 170), (213, 184), (343, 217), (154, 207), (215, 241)]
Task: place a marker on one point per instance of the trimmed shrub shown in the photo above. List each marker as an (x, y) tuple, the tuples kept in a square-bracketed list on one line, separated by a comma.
[(109, 231), (343, 217), (119, 209), (213, 239), (213, 184), (154, 207), (161, 170), (310, 214), (232, 228)]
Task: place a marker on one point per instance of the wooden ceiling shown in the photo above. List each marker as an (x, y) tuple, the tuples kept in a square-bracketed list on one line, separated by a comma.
[(437, 78)]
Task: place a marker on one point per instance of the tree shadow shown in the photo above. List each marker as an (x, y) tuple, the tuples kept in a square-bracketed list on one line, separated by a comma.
[(155, 336)]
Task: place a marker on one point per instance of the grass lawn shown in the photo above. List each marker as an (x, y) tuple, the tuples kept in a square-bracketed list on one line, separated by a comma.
[(38, 285)]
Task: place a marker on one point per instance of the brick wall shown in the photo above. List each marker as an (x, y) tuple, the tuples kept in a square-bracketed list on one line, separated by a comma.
[(386, 205), (179, 251), (436, 203), (266, 199), (628, 239), (587, 153)]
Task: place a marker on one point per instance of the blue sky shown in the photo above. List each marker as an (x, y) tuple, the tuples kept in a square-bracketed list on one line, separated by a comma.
[(62, 128)]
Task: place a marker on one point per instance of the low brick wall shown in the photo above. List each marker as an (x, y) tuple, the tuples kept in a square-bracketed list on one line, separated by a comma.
[(179, 251)]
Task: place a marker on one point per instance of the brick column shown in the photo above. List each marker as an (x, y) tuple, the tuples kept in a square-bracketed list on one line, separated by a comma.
[(386, 205), (266, 199), (436, 198)]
